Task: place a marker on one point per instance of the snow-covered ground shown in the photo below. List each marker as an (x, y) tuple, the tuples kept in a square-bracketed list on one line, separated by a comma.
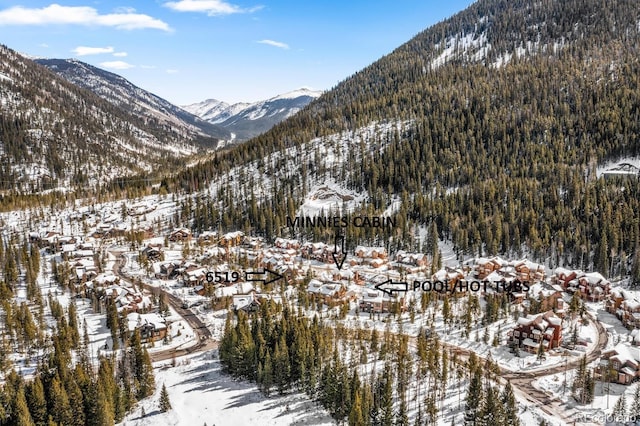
[(634, 162), (201, 394)]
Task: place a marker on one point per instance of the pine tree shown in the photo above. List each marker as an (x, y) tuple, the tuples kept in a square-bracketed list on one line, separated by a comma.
[(602, 260), (635, 268), (21, 415), (100, 412), (541, 353), (402, 419), (76, 400), (474, 398), (281, 366), (580, 376), (431, 410), (510, 406), (60, 408), (37, 402), (491, 412), (165, 404), (74, 333), (620, 408), (356, 416), (267, 374), (634, 409), (142, 367), (386, 396), (588, 388)]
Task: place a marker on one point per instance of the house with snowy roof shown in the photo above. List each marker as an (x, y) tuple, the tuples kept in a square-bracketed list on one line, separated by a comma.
[(412, 259), (102, 280), (484, 266), (126, 299), (318, 251), (167, 270), (533, 330), (153, 252), (208, 237), (624, 305), (592, 286), (376, 301), (246, 302), (328, 292), (179, 235), (634, 337), (529, 271), (152, 326), (548, 297), (194, 275), (563, 276), (231, 239), (624, 360), (376, 257), (287, 244), (451, 276)]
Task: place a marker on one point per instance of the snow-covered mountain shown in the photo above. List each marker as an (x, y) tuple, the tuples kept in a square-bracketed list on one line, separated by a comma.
[(124, 94), (57, 135), (246, 120)]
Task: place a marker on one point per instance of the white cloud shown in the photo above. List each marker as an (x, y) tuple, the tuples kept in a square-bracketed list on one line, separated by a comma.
[(85, 50), (120, 54), (147, 67), (274, 43), (172, 71), (124, 9), (210, 7), (78, 15), (116, 65)]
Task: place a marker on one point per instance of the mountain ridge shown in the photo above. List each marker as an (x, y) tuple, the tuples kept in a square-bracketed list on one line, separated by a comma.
[(124, 94), (248, 119), (55, 135)]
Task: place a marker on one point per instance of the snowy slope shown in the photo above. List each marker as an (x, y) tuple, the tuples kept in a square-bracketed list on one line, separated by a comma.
[(201, 394), (133, 99), (64, 136)]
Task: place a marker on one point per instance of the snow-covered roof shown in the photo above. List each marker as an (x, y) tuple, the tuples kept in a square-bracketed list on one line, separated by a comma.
[(242, 300), (593, 278), (625, 353), (136, 320), (554, 320), (314, 286), (562, 271)]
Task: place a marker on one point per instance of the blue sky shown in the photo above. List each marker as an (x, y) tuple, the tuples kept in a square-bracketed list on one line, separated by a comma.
[(190, 50)]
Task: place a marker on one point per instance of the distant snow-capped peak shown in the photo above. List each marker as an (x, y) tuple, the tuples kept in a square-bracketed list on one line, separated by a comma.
[(249, 119)]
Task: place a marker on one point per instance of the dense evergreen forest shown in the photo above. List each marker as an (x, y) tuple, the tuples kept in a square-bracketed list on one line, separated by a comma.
[(69, 384), (283, 352), (73, 136)]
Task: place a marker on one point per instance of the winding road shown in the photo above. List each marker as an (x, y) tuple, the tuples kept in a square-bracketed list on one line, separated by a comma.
[(522, 382), (203, 334)]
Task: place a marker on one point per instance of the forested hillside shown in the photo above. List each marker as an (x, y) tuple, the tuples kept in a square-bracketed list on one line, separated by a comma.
[(136, 101), (54, 135), (513, 105)]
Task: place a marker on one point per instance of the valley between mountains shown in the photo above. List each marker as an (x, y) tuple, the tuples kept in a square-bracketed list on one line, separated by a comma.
[(448, 236)]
